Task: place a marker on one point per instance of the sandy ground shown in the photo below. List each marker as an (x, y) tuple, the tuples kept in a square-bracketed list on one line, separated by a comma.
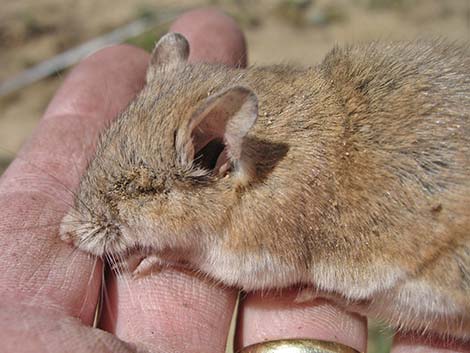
[(276, 31)]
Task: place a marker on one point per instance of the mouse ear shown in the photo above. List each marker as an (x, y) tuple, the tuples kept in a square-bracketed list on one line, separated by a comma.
[(171, 50), (217, 130)]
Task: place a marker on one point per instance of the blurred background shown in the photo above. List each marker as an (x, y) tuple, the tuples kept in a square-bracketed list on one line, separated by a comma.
[(35, 34)]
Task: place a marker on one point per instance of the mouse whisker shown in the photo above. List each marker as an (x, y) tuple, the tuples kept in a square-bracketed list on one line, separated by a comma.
[(100, 302), (88, 286), (120, 276), (107, 307), (125, 276), (88, 237)]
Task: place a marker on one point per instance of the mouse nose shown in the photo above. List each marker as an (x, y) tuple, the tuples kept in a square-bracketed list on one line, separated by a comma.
[(67, 229), (66, 237)]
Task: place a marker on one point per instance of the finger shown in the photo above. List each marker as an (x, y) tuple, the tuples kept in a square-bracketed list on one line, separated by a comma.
[(271, 317), (26, 329), (414, 344), (173, 310), (37, 189), (216, 37)]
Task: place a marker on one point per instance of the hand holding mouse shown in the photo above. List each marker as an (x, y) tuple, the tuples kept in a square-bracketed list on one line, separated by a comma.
[(45, 286)]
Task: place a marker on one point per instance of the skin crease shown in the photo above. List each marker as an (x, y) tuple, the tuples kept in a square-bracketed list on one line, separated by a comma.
[(43, 292)]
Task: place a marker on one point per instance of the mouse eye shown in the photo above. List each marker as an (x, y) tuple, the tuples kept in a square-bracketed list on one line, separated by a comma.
[(208, 156)]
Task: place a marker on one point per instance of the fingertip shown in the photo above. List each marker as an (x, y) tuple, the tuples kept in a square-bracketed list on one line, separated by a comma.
[(102, 83), (112, 51), (209, 28), (266, 318), (173, 309)]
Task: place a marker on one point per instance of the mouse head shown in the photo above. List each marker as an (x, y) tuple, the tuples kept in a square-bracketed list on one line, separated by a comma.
[(168, 170)]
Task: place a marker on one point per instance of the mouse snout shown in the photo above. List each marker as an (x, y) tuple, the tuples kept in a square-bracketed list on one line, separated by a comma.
[(67, 237), (97, 237), (67, 228)]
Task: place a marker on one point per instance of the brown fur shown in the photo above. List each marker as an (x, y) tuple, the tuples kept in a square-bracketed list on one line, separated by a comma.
[(354, 178)]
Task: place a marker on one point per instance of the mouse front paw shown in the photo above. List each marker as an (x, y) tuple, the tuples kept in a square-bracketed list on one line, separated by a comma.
[(149, 265)]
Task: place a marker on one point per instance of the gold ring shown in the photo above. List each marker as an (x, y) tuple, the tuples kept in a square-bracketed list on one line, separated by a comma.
[(298, 346)]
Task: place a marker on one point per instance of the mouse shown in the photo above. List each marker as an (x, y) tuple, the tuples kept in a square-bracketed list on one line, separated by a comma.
[(350, 176)]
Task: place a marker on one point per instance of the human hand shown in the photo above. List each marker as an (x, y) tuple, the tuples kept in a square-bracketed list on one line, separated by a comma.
[(49, 291)]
